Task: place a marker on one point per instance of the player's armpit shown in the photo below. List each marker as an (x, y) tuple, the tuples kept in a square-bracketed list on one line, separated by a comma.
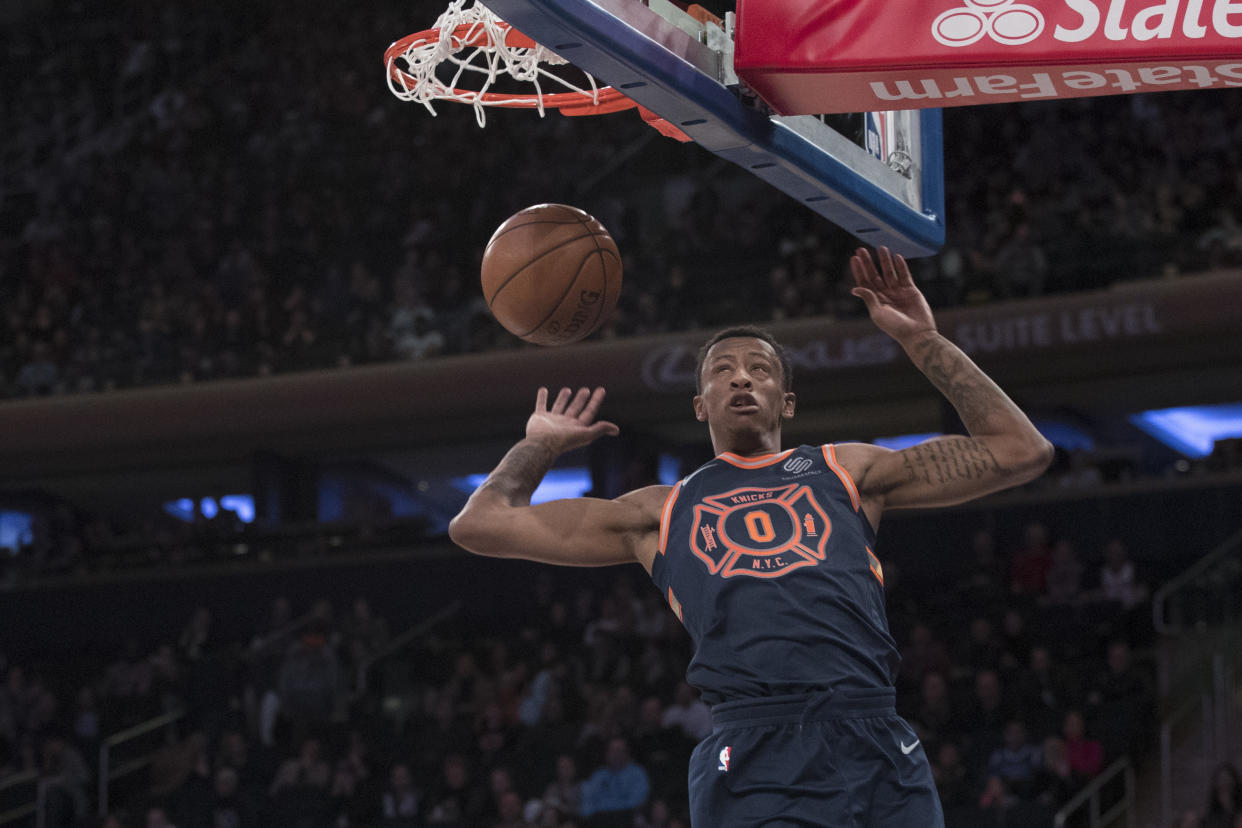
[(942, 471), (573, 532)]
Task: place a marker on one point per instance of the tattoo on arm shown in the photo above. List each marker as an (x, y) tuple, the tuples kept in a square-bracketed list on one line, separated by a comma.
[(977, 399), (518, 474), (950, 459)]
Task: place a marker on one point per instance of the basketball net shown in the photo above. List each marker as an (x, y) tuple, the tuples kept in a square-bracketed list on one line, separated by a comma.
[(482, 48)]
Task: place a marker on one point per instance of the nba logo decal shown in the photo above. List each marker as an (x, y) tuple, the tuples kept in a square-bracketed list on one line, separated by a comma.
[(726, 753)]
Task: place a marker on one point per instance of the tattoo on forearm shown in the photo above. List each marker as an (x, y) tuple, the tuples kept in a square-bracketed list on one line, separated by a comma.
[(950, 459), (975, 397), (518, 474)]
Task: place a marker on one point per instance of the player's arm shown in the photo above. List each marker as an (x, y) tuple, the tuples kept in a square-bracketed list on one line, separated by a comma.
[(1003, 449), (499, 521)]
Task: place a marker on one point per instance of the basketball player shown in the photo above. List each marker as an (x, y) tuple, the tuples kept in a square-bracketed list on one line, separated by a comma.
[(766, 556)]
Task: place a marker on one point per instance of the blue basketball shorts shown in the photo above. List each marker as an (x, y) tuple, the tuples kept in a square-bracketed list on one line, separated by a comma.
[(832, 759)]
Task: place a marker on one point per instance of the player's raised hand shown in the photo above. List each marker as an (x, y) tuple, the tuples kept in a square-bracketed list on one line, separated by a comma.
[(895, 304), (569, 423)]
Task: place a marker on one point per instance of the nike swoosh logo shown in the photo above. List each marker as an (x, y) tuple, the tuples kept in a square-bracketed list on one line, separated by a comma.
[(907, 749)]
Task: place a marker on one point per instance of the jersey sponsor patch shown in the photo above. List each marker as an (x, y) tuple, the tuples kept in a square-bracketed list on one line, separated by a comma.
[(761, 532)]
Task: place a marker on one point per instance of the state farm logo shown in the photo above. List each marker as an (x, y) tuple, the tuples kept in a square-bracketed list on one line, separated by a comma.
[(1006, 22)]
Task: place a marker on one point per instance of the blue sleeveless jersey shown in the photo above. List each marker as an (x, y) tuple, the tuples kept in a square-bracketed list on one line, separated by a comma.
[(768, 563)]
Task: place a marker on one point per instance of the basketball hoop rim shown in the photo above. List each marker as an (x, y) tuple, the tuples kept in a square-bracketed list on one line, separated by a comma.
[(604, 100)]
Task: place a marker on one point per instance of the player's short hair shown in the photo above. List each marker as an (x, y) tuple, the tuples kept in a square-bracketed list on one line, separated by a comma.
[(750, 332)]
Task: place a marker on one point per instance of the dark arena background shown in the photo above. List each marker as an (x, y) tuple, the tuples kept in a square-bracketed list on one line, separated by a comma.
[(247, 376)]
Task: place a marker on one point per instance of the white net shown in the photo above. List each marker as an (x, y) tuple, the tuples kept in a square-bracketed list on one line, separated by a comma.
[(473, 41)]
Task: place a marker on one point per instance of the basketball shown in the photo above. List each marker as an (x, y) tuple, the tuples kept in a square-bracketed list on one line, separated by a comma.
[(551, 274)]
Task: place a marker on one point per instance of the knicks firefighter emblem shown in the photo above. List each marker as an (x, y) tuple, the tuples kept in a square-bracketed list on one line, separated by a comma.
[(764, 532)]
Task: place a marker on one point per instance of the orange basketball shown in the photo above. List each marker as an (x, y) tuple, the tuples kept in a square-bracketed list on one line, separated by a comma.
[(551, 274)]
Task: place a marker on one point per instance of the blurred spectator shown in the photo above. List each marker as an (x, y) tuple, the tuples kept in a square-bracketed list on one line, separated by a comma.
[(1016, 761), (1054, 781), (512, 812), (362, 636), (399, 804), (1015, 643), (157, 817), (1064, 579), (924, 654), (310, 683), (984, 580), (611, 794), (952, 780), (689, 714), (1029, 570), (1046, 690), (66, 777), (1118, 581), (455, 801), (982, 649), (564, 793), (935, 718), (1085, 756), (232, 807), (1224, 803), (1119, 701)]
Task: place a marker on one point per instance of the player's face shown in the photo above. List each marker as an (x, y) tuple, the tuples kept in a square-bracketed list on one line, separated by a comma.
[(743, 387)]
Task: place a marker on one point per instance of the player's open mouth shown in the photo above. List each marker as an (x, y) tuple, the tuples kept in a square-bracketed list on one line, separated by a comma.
[(743, 404)]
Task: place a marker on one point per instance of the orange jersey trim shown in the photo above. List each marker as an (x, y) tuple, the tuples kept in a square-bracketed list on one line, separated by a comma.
[(675, 605), (876, 569), (754, 462), (830, 457), (666, 513)]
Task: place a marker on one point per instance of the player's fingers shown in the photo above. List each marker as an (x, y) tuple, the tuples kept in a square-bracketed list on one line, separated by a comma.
[(857, 270), (869, 298), (593, 404), (604, 429), (887, 275), (871, 270), (862, 266), (904, 279), (562, 400), (579, 402), (541, 399)]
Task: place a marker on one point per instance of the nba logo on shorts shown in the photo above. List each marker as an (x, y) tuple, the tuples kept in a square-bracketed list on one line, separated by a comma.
[(725, 754)]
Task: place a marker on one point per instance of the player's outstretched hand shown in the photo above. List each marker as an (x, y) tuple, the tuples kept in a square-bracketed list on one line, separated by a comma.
[(570, 421), (895, 304)]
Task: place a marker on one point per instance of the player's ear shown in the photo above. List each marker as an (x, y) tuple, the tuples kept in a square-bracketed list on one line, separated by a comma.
[(700, 410), (787, 405)]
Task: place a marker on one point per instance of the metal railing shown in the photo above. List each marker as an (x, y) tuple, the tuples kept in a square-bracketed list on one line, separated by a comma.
[(400, 643), (108, 773), (1168, 604), (1089, 797), (24, 810), (1197, 701)]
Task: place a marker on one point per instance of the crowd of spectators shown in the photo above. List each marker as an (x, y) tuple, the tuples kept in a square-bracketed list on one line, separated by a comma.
[(193, 193), (575, 713)]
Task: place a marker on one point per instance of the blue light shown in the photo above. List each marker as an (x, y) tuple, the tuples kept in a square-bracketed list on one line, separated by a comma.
[(902, 441), (1192, 430), (557, 484), (669, 469), (1065, 436), (241, 504), (183, 508), (16, 530)]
